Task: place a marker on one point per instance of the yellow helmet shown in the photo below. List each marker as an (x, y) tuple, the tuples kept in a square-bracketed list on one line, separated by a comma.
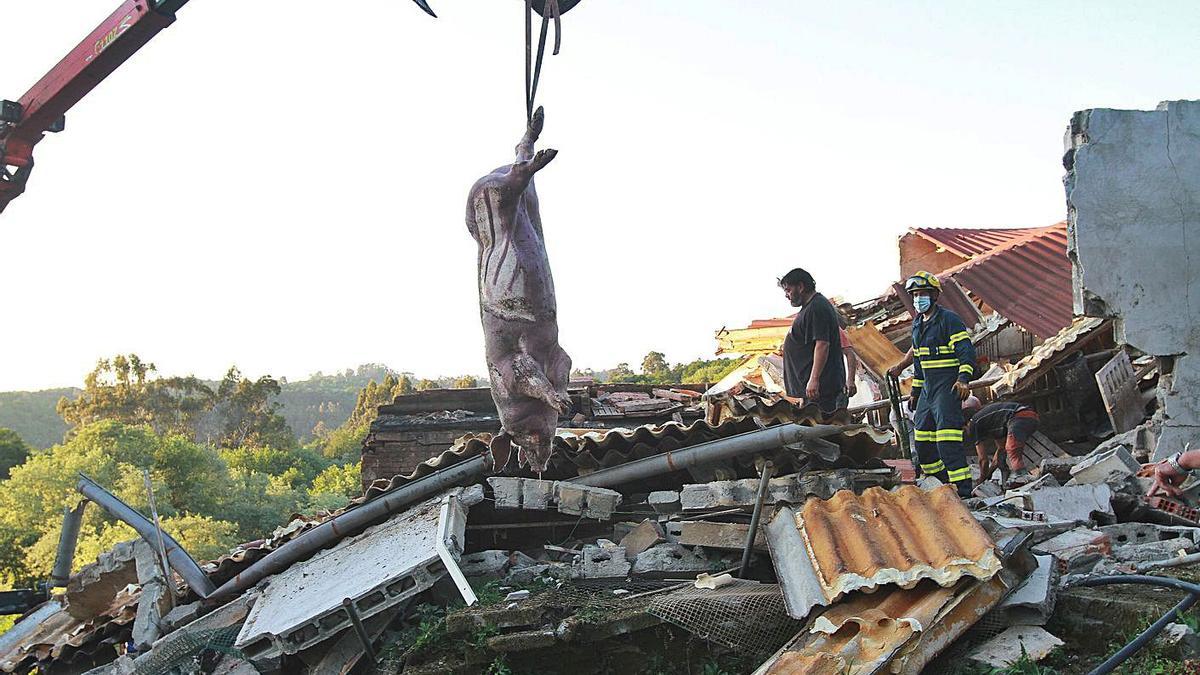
[(922, 281)]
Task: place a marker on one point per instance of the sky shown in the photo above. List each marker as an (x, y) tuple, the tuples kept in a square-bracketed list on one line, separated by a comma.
[(283, 186)]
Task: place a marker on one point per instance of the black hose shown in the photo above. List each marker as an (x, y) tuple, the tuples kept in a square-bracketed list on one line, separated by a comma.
[(1193, 591)]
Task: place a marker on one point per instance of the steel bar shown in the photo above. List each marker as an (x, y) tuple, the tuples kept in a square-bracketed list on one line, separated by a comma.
[(334, 530), (762, 440), (67, 540), (181, 562), (360, 629), (164, 564), (763, 484)]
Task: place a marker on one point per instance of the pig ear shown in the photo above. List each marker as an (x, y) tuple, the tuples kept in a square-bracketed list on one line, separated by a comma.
[(423, 4), (501, 449)]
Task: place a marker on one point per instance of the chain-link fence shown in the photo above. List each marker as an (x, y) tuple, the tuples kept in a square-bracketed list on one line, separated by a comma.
[(745, 616), (195, 652)]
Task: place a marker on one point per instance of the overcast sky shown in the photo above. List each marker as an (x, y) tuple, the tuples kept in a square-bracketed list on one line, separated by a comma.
[(281, 186)]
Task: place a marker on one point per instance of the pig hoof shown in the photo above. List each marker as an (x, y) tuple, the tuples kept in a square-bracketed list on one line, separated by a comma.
[(535, 124), (543, 157)]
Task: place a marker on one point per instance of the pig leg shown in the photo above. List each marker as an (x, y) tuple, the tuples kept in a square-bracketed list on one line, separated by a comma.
[(530, 381), (532, 132)]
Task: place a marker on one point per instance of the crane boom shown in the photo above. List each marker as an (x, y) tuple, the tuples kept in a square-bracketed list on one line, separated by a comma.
[(42, 108)]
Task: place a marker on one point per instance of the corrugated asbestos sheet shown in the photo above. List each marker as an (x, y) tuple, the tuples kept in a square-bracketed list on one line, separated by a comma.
[(65, 640), (765, 338), (875, 352), (970, 242), (1027, 280), (862, 634), (1046, 354), (828, 548)]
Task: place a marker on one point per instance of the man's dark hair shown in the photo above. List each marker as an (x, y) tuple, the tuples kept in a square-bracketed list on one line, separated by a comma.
[(798, 277)]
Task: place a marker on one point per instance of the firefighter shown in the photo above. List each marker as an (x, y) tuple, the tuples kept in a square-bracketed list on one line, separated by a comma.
[(943, 363)]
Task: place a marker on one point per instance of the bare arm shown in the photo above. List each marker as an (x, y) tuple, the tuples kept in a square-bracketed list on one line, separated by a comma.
[(820, 356), (851, 370)]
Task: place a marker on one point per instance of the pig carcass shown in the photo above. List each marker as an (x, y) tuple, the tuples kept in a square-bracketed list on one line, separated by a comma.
[(527, 367)]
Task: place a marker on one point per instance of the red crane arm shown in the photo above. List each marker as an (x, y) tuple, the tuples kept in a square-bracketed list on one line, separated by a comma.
[(41, 109)]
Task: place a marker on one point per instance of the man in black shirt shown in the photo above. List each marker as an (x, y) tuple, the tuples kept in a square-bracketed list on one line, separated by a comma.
[(813, 368), (1008, 420)]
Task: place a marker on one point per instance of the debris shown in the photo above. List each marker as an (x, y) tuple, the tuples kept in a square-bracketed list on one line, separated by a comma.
[(1070, 502), (1179, 641), (829, 548), (1076, 548), (92, 589), (603, 560), (673, 559), (517, 595), (665, 502), (156, 599), (725, 536), (522, 493), (1032, 603), (1099, 468), (1059, 467), (493, 564), (646, 534), (586, 501), (793, 488), (382, 567), (1016, 644), (705, 580)]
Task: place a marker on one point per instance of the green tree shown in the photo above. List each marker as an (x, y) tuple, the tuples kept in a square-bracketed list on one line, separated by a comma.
[(621, 373), (425, 385), (335, 487), (126, 389), (465, 382), (656, 368), (13, 451), (249, 412), (404, 386)]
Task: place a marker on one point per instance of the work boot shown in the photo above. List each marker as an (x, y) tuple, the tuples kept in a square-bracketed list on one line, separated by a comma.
[(965, 488)]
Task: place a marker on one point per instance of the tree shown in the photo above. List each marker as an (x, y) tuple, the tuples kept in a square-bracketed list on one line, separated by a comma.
[(125, 389), (621, 373), (249, 412), (425, 385), (404, 386), (465, 382), (656, 368), (334, 487), (13, 451)]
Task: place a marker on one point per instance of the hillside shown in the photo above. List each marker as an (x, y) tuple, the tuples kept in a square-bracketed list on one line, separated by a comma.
[(31, 414)]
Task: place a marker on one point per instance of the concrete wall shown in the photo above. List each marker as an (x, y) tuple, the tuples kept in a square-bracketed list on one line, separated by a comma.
[(1133, 198), (918, 253)]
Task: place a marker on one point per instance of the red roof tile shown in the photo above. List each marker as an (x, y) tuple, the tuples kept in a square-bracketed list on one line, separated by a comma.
[(1027, 280), (970, 242)]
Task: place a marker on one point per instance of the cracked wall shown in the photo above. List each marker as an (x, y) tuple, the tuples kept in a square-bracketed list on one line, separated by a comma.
[(1133, 199)]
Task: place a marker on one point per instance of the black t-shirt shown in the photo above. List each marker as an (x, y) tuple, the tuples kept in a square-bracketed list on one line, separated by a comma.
[(817, 320)]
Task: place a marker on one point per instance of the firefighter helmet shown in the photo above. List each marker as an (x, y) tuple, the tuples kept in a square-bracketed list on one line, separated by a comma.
[(923, 281)]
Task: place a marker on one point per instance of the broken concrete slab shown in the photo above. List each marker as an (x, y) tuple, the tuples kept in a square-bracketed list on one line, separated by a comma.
[(1153, 550), (602, 560), (1099, 468), (156, 599), (1074, 549), (587, 501), (665, 502), (1032, 603), (1013, 645), (493, 564), (1070, 502), (181, 615), (1132, 197), (673, 559), (646, 534), (726, 536), (92, 589), (793, 489), (382, 567)]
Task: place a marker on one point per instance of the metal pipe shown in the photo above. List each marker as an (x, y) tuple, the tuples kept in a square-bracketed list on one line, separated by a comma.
[(360, 629), (763, 484), (1179, 561), (67, 540), (1193, 591), (181, 562), (331, 531), (771, 438)]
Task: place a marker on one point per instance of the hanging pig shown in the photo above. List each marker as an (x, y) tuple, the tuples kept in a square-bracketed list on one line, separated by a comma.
[(528, 368)]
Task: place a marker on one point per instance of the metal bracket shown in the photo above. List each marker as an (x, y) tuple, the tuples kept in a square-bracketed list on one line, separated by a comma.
[(452, 527)]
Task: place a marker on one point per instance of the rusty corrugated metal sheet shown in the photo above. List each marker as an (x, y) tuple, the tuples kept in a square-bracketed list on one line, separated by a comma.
[(828, 548), (970, 242), (1028, 280)]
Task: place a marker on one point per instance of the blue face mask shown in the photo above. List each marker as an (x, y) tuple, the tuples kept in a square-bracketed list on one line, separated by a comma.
[(922, 303)]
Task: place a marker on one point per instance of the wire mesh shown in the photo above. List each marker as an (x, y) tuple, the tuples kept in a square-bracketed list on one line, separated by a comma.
[(188, 653), (745, 616)]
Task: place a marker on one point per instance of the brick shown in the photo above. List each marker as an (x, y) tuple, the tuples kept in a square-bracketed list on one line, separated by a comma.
[(646, 534), (586, 501), (729, 536), (665, 502), (521, 493), (1098, 468)]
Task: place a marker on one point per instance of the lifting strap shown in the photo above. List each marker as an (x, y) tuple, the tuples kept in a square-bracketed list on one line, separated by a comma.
[(533, 69)]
